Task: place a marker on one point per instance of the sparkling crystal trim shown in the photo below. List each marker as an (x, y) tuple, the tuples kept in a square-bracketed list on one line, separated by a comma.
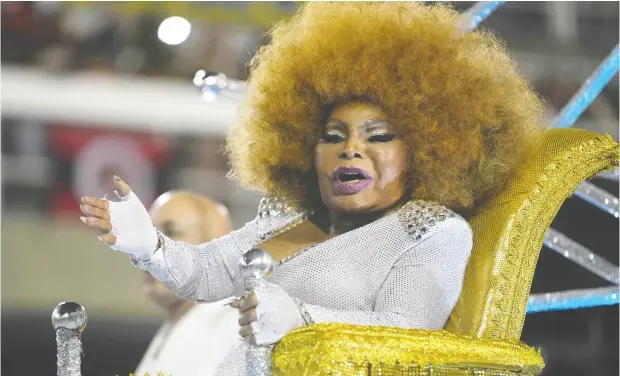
[(259, 360), (273, 207), (305, 315), (275, 232), (419, 216), (289, 257)]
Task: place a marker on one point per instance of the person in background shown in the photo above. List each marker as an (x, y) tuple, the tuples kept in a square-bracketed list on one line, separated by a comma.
[(195, 337)]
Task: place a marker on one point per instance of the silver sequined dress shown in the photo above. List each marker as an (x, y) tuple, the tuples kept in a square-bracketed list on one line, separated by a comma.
[(405, 269)]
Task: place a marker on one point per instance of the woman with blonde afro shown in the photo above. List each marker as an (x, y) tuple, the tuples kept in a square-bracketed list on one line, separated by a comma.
[(372, 128)]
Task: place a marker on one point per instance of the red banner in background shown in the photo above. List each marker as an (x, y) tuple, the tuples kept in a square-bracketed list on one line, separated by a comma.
[(95, 155), (68, 140)]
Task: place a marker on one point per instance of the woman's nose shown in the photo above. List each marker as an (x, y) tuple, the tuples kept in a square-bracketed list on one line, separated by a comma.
[(351, 150), (350, 154)]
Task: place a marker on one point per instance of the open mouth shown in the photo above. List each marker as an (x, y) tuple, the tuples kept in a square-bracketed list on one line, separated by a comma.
[(350, 179)]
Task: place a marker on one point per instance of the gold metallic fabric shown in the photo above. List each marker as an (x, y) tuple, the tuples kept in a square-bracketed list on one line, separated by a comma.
[(509, 230), (344, 349)]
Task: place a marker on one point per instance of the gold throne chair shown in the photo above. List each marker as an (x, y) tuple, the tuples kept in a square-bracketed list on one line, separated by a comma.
[(482, 336)]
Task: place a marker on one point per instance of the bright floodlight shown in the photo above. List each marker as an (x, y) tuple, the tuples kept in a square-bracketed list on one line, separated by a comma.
[(174, 30)]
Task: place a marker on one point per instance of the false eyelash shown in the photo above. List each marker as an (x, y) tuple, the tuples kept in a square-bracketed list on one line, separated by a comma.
[(381, 137)]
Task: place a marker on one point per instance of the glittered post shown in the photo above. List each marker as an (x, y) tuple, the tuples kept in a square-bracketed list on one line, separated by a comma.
[(573, 299), (256, 266), (565, 246), (478, 13), (69, 320), (588, 91)]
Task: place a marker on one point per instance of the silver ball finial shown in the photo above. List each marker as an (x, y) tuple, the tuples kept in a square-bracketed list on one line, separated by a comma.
[(69, 315), (256, 263)]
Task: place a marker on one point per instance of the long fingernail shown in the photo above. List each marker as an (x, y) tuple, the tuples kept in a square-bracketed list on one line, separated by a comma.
[(100, 238), (83, 219), (230, 302), (116, 178)]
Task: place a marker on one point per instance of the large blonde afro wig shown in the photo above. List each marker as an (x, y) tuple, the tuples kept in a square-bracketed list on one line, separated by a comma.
[(456, 98)]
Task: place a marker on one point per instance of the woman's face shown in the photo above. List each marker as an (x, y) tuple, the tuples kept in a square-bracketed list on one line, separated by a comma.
[(360, 160)]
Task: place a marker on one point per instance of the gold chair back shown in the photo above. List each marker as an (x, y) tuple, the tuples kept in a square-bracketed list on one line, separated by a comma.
[(509, 230)]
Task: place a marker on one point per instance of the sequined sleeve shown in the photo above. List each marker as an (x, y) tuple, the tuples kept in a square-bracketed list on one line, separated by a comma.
[(206, 272), (422, 287), (200, 273)]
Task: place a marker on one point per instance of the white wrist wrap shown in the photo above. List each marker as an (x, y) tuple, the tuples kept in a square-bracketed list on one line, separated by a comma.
[(132, 226)]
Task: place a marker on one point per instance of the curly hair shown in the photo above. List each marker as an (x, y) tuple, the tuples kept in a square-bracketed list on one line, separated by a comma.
[(457, 98)]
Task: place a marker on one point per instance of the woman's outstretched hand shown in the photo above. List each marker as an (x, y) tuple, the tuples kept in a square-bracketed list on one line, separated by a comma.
[(125, 226)]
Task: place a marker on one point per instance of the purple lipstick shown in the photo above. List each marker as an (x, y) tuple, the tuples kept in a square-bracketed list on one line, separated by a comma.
[(350, 180)]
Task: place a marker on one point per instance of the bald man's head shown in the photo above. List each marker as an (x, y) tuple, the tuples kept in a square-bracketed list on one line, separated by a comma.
[(189, 218)]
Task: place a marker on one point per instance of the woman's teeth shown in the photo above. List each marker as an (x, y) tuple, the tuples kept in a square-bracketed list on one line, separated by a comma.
[(351, 178)]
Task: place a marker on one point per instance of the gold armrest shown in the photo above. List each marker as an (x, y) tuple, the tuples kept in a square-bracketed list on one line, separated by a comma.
[(343, 349)]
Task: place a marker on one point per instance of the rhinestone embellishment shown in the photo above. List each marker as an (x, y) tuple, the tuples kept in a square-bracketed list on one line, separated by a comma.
[(272, 207), (419, 216), (303, 310)]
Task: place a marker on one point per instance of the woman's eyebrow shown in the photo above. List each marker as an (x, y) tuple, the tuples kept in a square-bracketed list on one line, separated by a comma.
[(336, 123), (374, 123), (363, 125), (333, 121)]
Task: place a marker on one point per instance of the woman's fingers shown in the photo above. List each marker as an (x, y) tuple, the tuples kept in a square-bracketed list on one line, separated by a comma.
[(248, 302), (99, 224), (245, 331), (122, 189), (97, 217), (94, 211), (247, 317), (99, 203), (108, 239)]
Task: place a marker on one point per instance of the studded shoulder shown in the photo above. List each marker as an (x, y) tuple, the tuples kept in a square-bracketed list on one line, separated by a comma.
[(273, 207), (419, 216)]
